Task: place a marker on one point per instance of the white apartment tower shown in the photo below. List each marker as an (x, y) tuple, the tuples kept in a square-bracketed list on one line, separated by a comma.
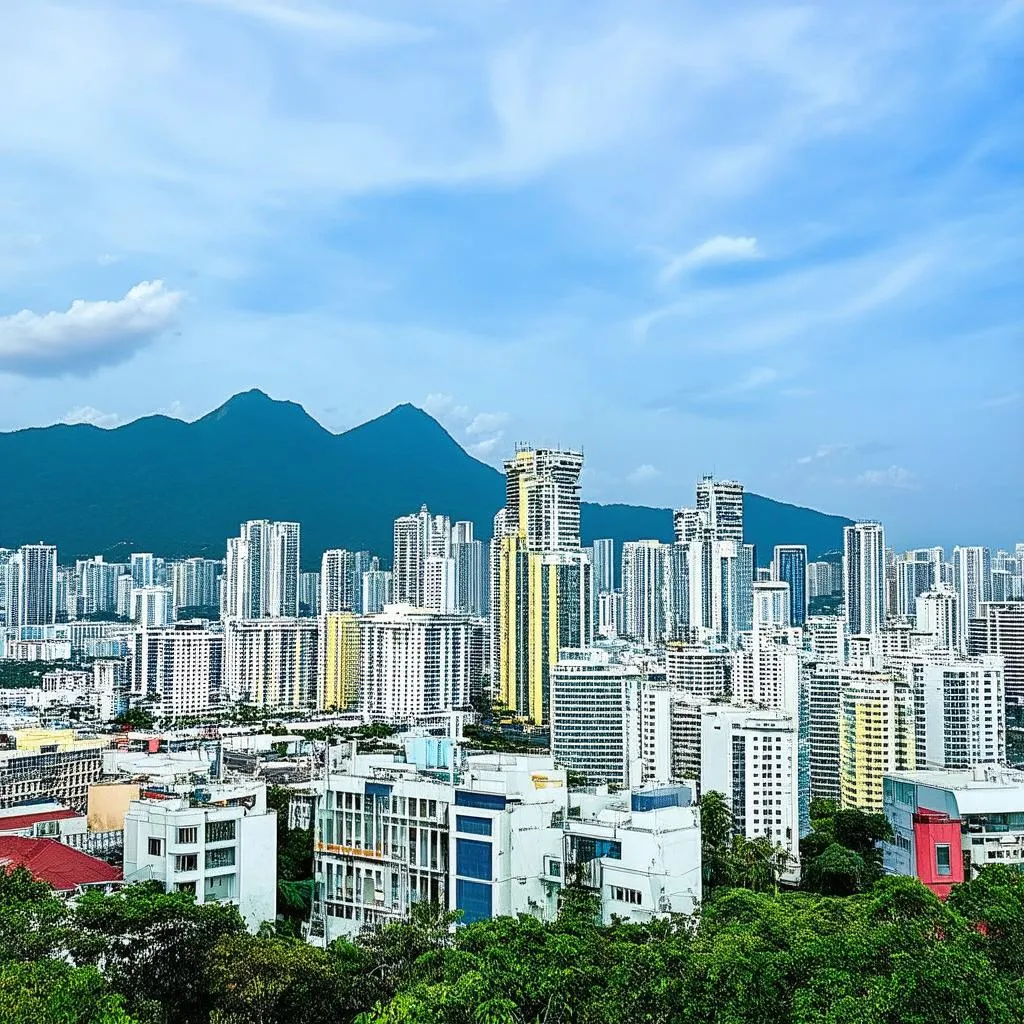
[(262, 571), (864, 578), (414, 661), (938, 613), (272, 663), (972, 579), (181, 667), (32, 586), (643, 591)]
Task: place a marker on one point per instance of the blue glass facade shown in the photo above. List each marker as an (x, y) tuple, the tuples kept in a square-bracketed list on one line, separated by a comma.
[(470, 823), (482, 801), (791, 568), (473, 899), (473, 859)]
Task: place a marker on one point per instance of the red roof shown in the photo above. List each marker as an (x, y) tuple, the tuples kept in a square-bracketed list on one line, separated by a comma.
[(16, 822), (47, 860)]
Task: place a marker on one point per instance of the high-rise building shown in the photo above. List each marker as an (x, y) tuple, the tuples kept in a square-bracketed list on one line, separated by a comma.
[(439, 584), (152, 606), (750, 755), (336, 581), (720, 502), (272, 662), (377, 589), (864, 578), (416, 538), (972, 579), (142, 570), (938, 613), (604, 565), (415, 661), (194, 583), (609, 615), (32, 586), (767, 675), (595, 716), (999, 629), (959, 710), (643, 591), (468, 555), (97, 586), (338, 687), (772, 605), (544, 595), (825, 637), (698, 671), (180, 667), (876, 737), (789, 565), (309, 593), (821, 579), (262, 571)]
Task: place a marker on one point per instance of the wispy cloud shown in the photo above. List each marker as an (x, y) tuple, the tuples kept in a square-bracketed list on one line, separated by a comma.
[(894, 476), (88, 335), (643, 473), (480, 433), (720, 249), (87, 414)]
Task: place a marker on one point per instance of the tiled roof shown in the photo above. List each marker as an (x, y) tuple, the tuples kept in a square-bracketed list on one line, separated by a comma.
[(16, 822), (47, 860)]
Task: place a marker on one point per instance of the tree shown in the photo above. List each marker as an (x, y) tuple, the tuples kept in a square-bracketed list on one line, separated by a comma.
[(53, 992), (716, 829), (836, 871), (136, 717), (33, 921), (153, 947)]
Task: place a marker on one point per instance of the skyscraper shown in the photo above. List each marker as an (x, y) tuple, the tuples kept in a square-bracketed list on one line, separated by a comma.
[(643, 591), (999, 629), (772, 605), (604, 565), (142, 570), (938, 613), (864, 578), (377, 589), (418, 537), (789, 565), (262, 571), (720, 502), (32, 586), (972, 579), (468, 555), (338, 581), (543, 598)]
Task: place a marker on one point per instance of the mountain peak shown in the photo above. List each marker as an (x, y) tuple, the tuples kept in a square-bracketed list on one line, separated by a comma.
[(255, 408)]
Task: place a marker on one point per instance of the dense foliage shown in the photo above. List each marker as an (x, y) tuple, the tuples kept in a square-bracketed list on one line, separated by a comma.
[(889, 955)]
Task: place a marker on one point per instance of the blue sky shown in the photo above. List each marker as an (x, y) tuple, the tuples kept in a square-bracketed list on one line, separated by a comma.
[(778, 243)]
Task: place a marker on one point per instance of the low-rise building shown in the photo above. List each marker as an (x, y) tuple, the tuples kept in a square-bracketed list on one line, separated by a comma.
[(491, 835), (947, 825), (219, 842), (57, 764)]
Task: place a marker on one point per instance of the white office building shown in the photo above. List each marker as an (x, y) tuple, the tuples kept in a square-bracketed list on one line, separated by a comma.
[(218, 844), (377, 587), (698, 671), (972, 579), (595, 716), (31, 586), (771, 605), (493, 835), (938, 615), (152, 606)]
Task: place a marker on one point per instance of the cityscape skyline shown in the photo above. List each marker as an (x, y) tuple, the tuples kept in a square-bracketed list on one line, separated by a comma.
[(782, 235)]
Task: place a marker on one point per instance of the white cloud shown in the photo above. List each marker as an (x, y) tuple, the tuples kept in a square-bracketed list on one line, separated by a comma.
[(486, 422), (175, 410), (894, 476), (825, 451), (322, 20), (1000, 401), (720, 249), (442, 407), (88, 414), (485, 448), (643, 473), (88, 335)]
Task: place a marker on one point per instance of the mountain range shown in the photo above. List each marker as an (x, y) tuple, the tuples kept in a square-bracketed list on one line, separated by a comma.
[(178, 489)]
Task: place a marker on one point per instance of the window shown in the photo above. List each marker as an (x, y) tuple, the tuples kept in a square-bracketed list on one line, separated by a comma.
[(187, 836), (473, 899), (469, 823), (554, 868), (186, 862), (942, 858), (622, 895), (222, 857), (186, 887), (220, 831), (473, 858), (155, 846)]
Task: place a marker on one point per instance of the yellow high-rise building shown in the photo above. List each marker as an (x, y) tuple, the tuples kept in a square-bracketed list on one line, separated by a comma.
[(876, 737), (543, 601), (339, 662)]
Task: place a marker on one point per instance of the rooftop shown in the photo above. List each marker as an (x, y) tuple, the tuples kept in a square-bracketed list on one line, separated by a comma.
[(47, 860)]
